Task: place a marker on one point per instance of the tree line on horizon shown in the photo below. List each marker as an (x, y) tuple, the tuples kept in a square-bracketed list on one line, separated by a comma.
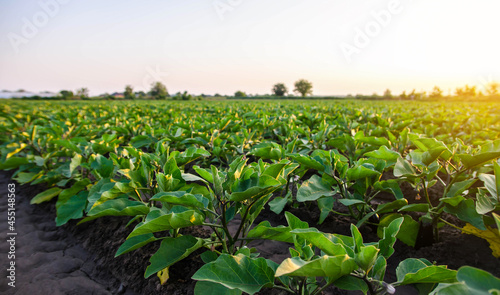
[(303, 88)]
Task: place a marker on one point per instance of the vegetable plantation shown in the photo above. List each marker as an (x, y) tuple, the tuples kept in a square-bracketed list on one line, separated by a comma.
[(403, 170)]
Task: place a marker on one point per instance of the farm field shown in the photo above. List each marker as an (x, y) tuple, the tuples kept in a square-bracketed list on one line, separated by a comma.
[(269, 196)]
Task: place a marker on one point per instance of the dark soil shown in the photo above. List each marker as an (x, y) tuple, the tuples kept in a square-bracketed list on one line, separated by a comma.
[(79, 259)]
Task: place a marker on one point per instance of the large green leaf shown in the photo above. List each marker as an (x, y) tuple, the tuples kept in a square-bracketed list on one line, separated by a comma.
[(103, 167), (388, 236), (13, 162), (171, 251), (332, 267), (320, 240), (254, 187), (313, 189), (404, 168), (466, 211), (179, 198), (156, 221), (307, 161), (360, 172), (240, 272), (478, 280), (71, 208), (209, 288), (46, 195), (265, 231), (135, 243), (117, 207), (384, 153), (413, 271)]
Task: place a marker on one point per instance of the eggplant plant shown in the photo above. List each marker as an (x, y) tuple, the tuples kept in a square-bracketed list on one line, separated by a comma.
[(457, 169), (357, 184)]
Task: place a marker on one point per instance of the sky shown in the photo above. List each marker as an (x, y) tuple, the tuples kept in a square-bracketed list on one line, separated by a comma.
[(222, 46)]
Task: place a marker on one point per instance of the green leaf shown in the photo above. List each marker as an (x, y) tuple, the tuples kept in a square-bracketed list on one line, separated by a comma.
[(71, 208), (389, 186), (325, 205), (488, 152), (209, 256), (46, 195), (361, 172), (366, 257), (351, 202), (307, 161), (179, 198), (207, 175), (332, 267), (485, 203), (351, 283), (135, 243), (403, 168), (459, 187), (357, 238), (466, 211), (278, 204), (117, 207), (391, 206), (320, 240), (453, 289), (313, 189), (156, 222), (209, 288), (477, 280), (264, 230), (103, 167), (384, 153), (253, 188), (171, 251), (294, 222), (13, 162), (389, 234), (413, 271), (415, 208), (408, 230), (68, 144), (240, 272)]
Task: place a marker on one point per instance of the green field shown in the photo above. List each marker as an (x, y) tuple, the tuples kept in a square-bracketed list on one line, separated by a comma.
[(171, 165)]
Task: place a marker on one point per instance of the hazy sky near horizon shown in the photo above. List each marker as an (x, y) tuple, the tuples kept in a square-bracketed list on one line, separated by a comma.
[(221, 46)]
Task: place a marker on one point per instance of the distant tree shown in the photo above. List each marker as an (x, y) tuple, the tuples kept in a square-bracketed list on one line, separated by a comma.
[(240, 94), (303, 87), (217, 95), (403, 95), (66, 94), (82, 93), (140, 95), (129, 92), (158, 91), (280, 89), (436, 93), (186, 96), (388, 94), (466, 92), (492, 89)]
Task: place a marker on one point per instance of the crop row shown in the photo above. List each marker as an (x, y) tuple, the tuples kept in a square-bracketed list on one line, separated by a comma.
[(170, 166)]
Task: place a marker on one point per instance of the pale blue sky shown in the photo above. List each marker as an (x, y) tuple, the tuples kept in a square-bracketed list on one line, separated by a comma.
[(207, 46)]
